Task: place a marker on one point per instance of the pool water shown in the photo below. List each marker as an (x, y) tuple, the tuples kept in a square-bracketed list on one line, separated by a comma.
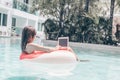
[(101, 65)]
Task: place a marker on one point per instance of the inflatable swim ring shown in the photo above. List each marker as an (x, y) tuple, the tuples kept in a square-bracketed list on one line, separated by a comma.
[(56, 63), (58, 56)]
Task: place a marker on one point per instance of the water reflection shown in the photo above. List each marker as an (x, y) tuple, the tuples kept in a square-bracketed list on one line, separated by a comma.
[(25, 78), (6, 42), (50, 69)]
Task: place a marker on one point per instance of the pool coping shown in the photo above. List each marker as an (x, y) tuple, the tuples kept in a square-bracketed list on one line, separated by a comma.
[(80, 46), (86, 46)]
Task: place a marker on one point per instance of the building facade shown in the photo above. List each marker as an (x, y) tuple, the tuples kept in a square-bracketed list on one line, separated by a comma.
[(15, 15)]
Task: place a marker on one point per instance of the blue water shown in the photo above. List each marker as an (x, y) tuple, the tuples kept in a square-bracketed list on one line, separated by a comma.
[(102, 65)]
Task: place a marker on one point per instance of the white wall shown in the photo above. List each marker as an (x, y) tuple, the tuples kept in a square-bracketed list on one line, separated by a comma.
[(7, 3), (31, 23), (20, 22)]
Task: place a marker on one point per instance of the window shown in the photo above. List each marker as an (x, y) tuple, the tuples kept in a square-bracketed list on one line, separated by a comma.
[(13, 21), (26, 1), (39, 27), (4, 20), (0, 18)]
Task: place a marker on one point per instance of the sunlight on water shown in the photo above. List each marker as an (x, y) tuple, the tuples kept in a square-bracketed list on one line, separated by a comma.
[(101, 65)]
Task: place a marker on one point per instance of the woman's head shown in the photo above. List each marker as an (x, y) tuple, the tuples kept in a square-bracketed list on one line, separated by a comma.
[(28, 35)]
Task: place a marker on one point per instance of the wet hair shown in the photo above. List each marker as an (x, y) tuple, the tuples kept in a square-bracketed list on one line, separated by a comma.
[(27, 32)]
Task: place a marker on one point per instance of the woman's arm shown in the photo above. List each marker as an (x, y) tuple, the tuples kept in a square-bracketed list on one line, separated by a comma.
[(69, 49), (73, 53), (35, 47)]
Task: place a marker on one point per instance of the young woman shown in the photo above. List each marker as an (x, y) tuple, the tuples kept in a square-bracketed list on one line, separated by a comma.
[(27, 45)]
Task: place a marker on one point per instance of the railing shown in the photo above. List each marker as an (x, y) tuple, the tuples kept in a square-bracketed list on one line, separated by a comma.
[(22, 6)]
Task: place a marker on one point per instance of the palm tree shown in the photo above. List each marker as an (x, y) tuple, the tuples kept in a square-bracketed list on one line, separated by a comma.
[(111, 20), (87, 5)]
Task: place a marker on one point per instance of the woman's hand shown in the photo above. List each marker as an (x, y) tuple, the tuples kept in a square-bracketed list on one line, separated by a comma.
[(61, 48)]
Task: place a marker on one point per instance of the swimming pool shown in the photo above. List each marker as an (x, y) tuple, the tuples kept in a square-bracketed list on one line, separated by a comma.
[(102, 65)]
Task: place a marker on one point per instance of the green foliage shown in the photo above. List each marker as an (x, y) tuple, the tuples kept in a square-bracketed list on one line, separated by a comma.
[(83, 29), (68, 18)]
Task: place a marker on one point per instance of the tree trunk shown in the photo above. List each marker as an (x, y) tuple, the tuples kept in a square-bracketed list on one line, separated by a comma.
[(111, 20), (61, 17), (87, 5)]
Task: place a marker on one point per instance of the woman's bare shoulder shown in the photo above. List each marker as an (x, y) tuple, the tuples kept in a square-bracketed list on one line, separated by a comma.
[(33, 44)]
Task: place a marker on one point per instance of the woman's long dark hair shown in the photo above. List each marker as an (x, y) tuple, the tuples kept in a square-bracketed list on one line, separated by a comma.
[(27, 32)]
